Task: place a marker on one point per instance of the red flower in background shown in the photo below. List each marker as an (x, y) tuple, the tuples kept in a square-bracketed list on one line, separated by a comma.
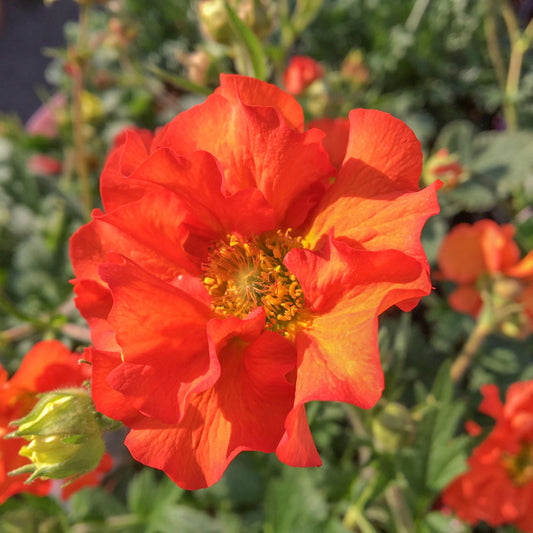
[(484, 255), (44, 165), (47, 366), (231, 280), (498, 486), (300, 73)]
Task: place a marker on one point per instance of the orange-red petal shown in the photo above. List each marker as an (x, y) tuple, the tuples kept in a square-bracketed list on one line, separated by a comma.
[(336, 140), (252, 92), (256, 148), (162, 333), (466, 299), (244, 410), (375, 201)]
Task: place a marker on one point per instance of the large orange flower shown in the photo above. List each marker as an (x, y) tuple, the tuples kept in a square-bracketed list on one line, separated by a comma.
[(236, 276), (484, 256), (47, 366), (498, 486)]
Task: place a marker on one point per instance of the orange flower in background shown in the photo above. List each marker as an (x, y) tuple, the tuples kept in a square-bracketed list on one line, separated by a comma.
[(236, 276), (498, 486), (484, 257), (300, 73), (47, 366)]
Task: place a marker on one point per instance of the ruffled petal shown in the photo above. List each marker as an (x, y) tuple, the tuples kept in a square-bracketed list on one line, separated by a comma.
[(338, 355), (251, 91), (94, 302), (296, 447), (256, 148), (370, 280), (244, 410), (162, 333), (131, 148), (108, 400), (375, 200), (336, 140), (142, 230), (196, 180)]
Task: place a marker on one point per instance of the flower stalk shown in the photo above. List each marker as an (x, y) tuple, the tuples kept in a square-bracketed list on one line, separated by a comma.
[(78, 76), (520, 42)]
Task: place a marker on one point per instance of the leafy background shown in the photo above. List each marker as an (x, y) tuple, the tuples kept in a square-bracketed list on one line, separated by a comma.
[(429, 63)]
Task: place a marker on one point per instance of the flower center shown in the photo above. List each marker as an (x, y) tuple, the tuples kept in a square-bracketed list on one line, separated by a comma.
[(520, 466), (241, 275)]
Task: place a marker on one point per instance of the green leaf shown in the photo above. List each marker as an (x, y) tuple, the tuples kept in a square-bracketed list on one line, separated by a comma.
[(149, 493), (437, 522), (250, 42), (94, 504), (506, 158), (295, 504), (185, 520)]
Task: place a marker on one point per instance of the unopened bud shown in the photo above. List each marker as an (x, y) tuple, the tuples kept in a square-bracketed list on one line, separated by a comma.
[(445, 167), (257, 15), (516, 326), (507, 289), (92, 107), (354, 68), (65, 436), (214, 20)]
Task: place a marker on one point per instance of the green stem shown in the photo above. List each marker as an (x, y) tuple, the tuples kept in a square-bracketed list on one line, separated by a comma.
[(520, 43), (518, 49), (414, 18), (400, 512), (493, 47), (77, 109), (482, 329)]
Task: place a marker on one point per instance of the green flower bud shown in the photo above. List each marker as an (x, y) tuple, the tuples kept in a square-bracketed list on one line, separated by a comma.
[(65, 436)]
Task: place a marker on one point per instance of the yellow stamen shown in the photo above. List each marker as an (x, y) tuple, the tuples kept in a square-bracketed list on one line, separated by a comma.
[(520, 466), (242, 275)]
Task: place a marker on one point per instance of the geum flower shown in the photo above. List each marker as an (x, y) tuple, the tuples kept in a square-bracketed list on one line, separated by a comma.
[(497, 488), (235, 276), (484, 261), (300, 73), (49, 365)]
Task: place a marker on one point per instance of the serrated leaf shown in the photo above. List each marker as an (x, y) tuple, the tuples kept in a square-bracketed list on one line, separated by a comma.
[(294, 504)]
